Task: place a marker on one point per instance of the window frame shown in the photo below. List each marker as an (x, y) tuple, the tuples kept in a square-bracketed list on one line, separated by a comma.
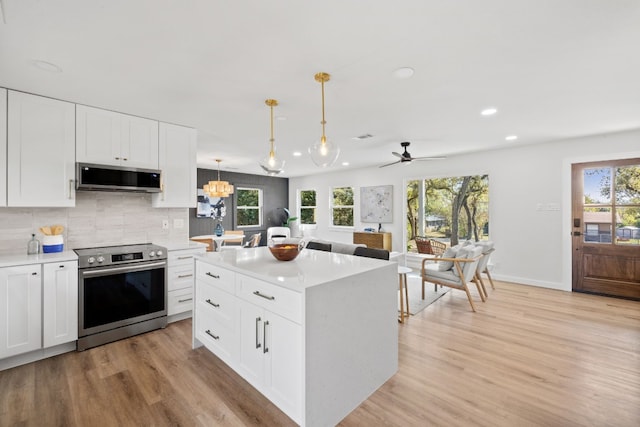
[(332, 206), (260, 206), (314, 207)]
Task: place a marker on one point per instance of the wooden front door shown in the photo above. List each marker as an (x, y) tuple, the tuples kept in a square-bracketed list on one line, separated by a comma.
[(606, 228)]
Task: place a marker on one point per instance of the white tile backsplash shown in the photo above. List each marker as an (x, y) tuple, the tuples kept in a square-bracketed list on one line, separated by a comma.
[(98, 219)]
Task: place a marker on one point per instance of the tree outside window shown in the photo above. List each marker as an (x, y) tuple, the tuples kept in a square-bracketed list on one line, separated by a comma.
[(308, 207), (248, 207), (342, 206), (448, 209)]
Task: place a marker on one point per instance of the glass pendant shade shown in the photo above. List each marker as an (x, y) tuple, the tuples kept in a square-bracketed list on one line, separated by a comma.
[(218, 188), (271, 164), (323, 153)]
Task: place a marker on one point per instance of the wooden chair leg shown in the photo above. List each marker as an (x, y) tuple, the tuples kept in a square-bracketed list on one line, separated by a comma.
[(473, 307), (486, 271), (482, 297), (478, 278), (423, 288)]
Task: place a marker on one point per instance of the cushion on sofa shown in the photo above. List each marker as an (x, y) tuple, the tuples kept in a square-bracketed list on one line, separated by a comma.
[(448, 253)]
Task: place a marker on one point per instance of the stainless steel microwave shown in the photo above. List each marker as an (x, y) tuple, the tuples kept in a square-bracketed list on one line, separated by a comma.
[(92, 177)]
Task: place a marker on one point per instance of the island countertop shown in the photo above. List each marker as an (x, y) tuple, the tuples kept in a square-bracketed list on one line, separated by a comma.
[(310, 268)]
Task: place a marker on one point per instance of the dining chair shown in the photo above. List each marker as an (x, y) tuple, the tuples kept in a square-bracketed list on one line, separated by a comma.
[(253, 241), (208, 242), (234, 242), (278, 233)]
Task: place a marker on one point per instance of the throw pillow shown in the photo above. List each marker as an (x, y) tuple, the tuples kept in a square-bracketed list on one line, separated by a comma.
[(464, 252), (448, 253)]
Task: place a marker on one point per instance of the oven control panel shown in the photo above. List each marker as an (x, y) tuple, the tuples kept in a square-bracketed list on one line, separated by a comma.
[(115, 255)]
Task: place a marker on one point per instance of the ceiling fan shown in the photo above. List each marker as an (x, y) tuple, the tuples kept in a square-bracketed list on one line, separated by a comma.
[(405, 157)]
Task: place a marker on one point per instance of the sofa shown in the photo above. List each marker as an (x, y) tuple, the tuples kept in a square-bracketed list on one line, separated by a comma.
[(338, 247)]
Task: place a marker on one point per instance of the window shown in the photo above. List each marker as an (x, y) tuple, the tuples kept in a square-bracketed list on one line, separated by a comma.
[(612, 205), (248, 207), (448, 209), (342, 206), (307, 207)]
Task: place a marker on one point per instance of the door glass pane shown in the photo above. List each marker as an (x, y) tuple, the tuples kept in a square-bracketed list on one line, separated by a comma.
[(628, 185), (597, 186), (628, 227), (597, 225)]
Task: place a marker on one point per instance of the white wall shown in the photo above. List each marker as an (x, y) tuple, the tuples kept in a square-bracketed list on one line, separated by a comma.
[(532, 245)]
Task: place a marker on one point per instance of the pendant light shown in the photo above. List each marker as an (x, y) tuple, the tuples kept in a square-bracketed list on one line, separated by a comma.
[(271, 164), (218, 188), (323, 153)]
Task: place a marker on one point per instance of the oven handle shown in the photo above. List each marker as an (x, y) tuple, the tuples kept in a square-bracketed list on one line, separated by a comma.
[(125, 269)]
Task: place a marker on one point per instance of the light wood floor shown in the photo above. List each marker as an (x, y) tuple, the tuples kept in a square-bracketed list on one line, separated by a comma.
[(528, 357)]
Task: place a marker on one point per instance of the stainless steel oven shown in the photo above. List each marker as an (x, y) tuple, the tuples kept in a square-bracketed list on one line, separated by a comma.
[(122, 292)]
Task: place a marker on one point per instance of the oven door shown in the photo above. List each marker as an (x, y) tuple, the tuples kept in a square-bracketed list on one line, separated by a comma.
[(111, 297)]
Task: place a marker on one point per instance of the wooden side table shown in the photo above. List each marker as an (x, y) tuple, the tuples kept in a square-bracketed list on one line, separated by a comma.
[(373, 240)]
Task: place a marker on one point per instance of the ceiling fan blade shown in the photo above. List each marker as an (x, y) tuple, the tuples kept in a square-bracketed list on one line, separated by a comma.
[(397, 154), (429, 158), (389, 164)]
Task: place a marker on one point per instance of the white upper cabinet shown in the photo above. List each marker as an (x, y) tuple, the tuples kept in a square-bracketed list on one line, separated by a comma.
[(40, 151), (109, 138), (3, 146), (177, 160)]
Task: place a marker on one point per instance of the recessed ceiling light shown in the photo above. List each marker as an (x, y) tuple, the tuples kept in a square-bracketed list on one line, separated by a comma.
[(46, 66), (489, 111), (403, 73), (297, 154), (511, 137), (345, 163)]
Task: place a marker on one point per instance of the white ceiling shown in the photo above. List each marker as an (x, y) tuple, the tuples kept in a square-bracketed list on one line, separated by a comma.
[(553, 69)]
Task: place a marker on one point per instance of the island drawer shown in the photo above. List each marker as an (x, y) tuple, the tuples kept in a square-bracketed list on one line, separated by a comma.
[(180, 277), (216, 276), (217, 304), (218, 338), (285, 302)]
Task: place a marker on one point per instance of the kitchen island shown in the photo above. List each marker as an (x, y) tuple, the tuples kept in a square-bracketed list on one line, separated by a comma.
[(316, 335)]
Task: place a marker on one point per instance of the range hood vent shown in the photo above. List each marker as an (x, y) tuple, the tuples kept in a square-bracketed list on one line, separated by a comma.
[(92, 177)]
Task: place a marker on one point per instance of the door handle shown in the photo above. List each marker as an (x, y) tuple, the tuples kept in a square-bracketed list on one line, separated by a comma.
[(576, 233)]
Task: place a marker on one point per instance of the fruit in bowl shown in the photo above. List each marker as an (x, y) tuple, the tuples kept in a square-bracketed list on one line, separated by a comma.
[(286, 250)]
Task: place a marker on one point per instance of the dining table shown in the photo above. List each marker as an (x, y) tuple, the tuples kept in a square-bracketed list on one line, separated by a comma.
[(217, 240)]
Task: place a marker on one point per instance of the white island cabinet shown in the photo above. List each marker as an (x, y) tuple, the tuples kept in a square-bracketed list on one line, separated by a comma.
[(316, 335)]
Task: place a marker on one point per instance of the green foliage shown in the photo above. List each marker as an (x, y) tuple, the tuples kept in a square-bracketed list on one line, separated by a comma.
[(248, 217), (308, 207), (343, 216), (307, 215), (308, 198), (248, 197), (343, 196)]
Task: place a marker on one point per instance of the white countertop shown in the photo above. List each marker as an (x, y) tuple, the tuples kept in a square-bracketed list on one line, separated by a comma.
[(309, 269), (175, 245), (24, 259)]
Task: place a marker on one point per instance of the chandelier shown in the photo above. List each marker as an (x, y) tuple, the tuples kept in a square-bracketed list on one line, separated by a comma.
[(218, 188), (323, 153), (271, 164)]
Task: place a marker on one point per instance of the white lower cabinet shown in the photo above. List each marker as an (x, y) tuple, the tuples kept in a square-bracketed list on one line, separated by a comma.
[(39, 307), (242, 321), (20, 313), (271, 356), (59, 303), (181, 277)]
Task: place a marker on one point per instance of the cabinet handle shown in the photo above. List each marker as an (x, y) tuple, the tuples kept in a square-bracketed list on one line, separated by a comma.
[(185, 257), (182, 276), (269, 297), (162, 189), (215, 337), (185, 300), (265, 349), (34, 273), (117, 158), (71, 189), (212, 303), (125, 159), (258, 345), (61, 266), (212, 275)]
